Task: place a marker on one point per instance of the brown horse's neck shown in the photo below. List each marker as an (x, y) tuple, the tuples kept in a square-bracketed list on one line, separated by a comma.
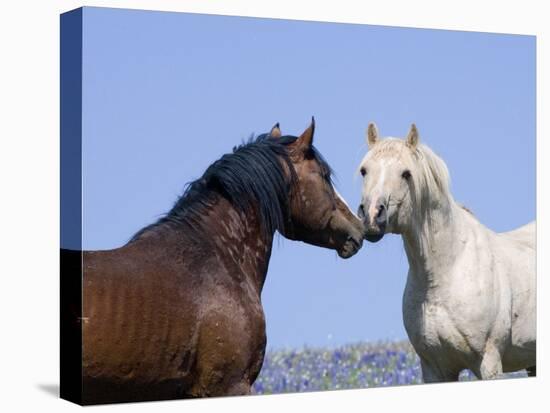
[(241, 241), (234, 239)]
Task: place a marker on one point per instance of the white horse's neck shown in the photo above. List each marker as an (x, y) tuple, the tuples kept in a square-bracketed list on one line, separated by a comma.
[(433, 242)]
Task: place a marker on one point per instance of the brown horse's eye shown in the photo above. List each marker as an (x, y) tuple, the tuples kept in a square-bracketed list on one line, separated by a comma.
[(363, 171), (406, 174)]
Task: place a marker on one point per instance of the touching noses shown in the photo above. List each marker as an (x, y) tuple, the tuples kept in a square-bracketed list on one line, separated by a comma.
[(361, 211)]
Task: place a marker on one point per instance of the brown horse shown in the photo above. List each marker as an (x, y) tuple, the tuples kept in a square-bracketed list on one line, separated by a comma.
[(176, 312)]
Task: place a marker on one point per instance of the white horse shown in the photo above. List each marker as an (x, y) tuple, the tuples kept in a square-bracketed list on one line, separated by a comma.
[(470, 299)]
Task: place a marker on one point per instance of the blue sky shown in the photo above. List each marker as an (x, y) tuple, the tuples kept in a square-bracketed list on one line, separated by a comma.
[(166, 94)]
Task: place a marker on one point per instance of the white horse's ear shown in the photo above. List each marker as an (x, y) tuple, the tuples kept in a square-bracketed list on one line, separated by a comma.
[(372, 134), (412, 137), (275, 131)]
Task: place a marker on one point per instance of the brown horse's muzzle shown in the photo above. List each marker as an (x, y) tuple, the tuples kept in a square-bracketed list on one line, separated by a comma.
[(351, 232), (350, 247)]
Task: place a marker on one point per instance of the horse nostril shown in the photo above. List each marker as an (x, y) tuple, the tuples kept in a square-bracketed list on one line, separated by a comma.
[(361, 211), (381, 215)]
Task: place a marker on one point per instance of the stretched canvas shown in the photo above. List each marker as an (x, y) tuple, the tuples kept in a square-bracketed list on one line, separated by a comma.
[(254, 206)]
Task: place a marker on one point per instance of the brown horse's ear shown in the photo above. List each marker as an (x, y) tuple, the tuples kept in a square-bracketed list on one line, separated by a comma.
[(306, 138), (412, 137), (275, 131), (372, 134)]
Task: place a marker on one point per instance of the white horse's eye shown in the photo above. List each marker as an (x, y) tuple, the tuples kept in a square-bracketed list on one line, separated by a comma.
[(406, 174), (363, 171)]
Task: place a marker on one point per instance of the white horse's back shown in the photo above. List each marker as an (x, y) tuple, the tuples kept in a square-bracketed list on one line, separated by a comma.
[(526, 234)]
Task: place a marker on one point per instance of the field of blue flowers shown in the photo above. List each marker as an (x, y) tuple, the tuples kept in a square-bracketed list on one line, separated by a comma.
[(353, 366)]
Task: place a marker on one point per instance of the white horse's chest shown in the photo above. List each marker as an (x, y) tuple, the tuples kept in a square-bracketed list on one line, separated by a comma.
[(422, 324), (439, 323), (427, 323)]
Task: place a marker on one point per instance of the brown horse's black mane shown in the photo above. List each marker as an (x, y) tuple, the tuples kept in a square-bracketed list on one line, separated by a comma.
[(251, 176)]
